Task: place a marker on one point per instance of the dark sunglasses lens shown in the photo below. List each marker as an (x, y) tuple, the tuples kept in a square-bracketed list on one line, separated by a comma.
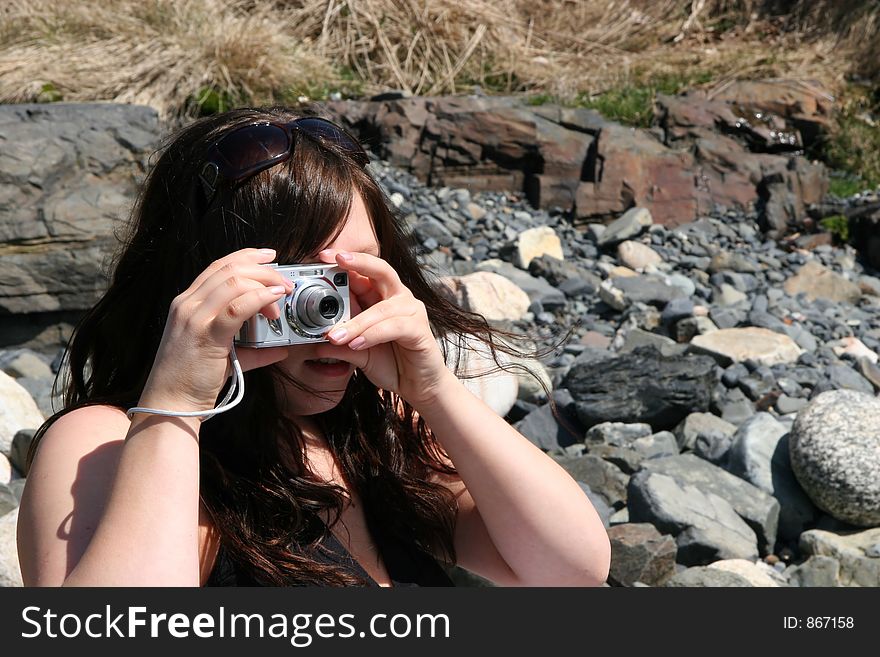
[(247, 148), (327, 131)]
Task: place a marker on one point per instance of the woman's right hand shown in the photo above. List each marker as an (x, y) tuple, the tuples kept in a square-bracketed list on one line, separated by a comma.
[(192, 362)]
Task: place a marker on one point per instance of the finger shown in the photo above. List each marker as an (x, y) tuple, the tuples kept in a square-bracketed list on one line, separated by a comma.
[(394, 329), (381, 274), (259, 256), (252, 358), (226, 315), (237, 277), (396, 307), (363, 290)]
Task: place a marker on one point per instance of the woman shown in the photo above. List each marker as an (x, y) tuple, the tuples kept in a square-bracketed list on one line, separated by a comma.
[(359, 459)]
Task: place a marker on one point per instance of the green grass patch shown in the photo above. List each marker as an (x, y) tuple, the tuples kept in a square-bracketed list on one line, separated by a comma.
[(633, 103), (838, 226), (853, 144)]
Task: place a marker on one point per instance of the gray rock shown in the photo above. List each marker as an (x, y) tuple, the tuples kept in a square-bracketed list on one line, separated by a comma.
[(637, 337), (21, 443), (8, 498), (71, 172), (641, 386), (850, 550), (706, 528), (26, 363), (17, 410), (818, 570), (759, 454), (695, 425), (786, 404), (617, 433), (835, 454), (759, 510), (603, 510), (702, 576), (542, 429), (639, 553), (647, 289), (537, 289), (10, 571), (629, 225), (602, 477), (431, 228), (843, 377)]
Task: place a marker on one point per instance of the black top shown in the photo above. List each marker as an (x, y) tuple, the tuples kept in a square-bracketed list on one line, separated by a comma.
[(406, 565)]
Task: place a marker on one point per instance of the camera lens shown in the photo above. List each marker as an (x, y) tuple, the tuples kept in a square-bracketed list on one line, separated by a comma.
[(328, 307), (318, 306)]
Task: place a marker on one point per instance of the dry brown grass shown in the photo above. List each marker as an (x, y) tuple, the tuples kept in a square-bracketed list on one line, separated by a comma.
[(161, 52)]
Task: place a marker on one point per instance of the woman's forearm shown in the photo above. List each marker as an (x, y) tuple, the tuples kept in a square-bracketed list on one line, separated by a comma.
[(539, 519), (148, 533)]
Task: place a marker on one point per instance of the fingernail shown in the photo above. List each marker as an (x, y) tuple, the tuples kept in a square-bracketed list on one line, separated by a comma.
[(338, 334), (268, 252), (277, 289), (357, 343), (345, 255)]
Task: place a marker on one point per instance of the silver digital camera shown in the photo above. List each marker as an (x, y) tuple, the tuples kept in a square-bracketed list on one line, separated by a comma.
[(320, 299)]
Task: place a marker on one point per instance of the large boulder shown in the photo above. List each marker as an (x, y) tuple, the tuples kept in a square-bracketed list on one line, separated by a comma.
[(760, 455), (758, 509), (706, 527), (641, 386), (835, 455), (10, 571), (17, 411), (68, 176)]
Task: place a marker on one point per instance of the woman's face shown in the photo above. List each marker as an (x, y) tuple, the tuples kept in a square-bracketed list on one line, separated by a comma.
[(329, 380)]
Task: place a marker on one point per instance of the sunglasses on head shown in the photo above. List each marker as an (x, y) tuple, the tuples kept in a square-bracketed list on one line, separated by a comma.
[(250, 149)]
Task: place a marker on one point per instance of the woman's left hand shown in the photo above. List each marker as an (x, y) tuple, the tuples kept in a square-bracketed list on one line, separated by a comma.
[(391, 338)]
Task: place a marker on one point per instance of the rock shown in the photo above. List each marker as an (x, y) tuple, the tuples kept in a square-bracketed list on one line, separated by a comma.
[(843, 377), (697, 425), (733, 261), (5, 470), (17, 411), (545, 431), (621, 292), (603, 509), (639, 553), (817, 282), (10, 572), (70, 173), (629, 225), (617, 433), (430, 228), (536, 242), (636, 255), (786, 405), (641, 386), (477, 369), (488, 294), (687, 328), (602, 477), (703, 576), (8, 497), (727, 295), (749, 343), (850, 550), (637, 337), (27, 364), (677, 309), (835, 454), (759, 454), (628, 452), (818, 570), (854, 347), (21, 443), (753, 572), (706, 528), (537, 289), (758, 509)]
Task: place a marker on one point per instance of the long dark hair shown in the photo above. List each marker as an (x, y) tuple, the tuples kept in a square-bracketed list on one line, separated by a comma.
[(265, 503)]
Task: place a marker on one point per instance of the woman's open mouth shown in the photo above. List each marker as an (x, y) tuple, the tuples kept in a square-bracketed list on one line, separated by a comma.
[(329, 367)]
